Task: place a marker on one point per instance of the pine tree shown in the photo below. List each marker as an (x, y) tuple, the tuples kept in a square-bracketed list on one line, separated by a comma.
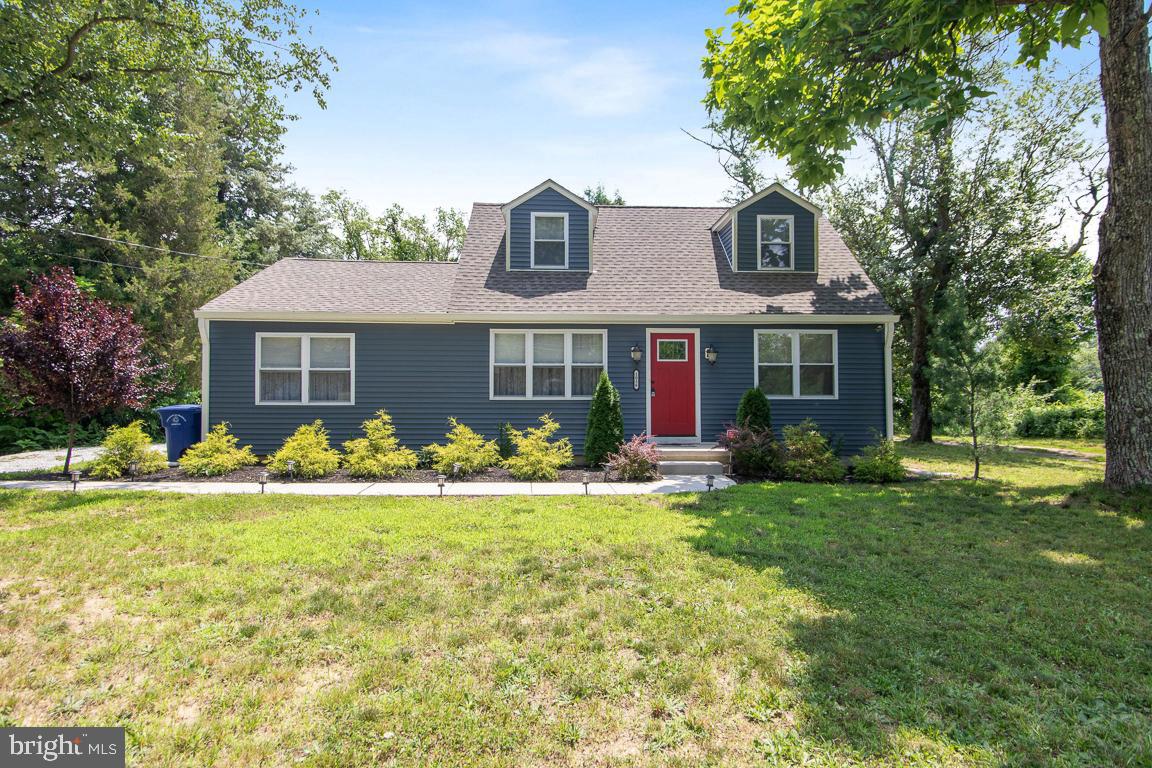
[(754, 411), (605, 423)]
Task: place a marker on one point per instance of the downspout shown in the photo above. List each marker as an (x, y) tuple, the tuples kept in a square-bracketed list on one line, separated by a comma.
[(889, 334), (205, 348)]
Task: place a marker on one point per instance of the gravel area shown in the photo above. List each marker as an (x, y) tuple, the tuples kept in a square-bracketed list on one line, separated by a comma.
[(42, 461)]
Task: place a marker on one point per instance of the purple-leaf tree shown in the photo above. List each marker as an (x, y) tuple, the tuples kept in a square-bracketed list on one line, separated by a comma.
[(66, 352)]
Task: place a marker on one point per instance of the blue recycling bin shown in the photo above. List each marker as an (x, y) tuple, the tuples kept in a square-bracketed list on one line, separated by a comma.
[(181, 428)]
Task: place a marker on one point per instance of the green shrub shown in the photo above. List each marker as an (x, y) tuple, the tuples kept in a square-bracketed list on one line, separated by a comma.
[(465, 447), (879, 463), (754, 452), (605, 432), (1083, 419), (308, 447), (807, 455), (754, 411), (121, 447), (378, 453), (217, 454), (636, 461), (536, 458), (504, 440)]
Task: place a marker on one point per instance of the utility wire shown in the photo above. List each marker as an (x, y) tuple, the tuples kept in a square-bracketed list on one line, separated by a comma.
[(130, 243)]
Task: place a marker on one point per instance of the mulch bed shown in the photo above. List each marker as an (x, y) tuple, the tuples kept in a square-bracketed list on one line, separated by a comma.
[(252, 475)]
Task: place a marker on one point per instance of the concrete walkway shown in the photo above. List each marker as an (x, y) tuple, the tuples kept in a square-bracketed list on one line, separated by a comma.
[(668, 484)]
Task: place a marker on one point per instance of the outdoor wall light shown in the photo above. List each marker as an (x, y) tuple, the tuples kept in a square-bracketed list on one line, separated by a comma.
[(75, 475), (710, 354), (262, 479), (637, 353)]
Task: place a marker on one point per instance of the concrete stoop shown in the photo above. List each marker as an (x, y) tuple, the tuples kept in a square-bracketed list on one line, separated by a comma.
[(694, 459)]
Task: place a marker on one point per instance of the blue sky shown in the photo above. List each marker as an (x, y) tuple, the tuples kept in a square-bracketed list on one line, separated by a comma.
[(443, 104)]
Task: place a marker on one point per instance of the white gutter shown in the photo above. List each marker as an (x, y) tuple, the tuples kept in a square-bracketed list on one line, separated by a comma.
[(443, 318), (889, 334)]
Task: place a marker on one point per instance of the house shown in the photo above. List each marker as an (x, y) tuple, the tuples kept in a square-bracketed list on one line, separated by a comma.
[(686, 308)]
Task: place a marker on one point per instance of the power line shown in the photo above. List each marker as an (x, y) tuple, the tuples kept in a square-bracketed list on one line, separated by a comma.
[(130, 243), (98, 261)]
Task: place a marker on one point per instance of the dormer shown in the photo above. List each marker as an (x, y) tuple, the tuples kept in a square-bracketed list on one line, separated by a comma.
[(548, 229), (774, 230)]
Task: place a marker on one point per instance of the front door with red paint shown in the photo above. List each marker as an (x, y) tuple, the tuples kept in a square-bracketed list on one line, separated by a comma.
[(673, 384)]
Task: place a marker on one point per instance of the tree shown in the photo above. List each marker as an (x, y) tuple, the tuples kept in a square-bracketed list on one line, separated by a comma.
[(784, 64), (754, 411), (981, 201), (605, 433), (599, 196), (79, 74), (68, 353), (739, 155)]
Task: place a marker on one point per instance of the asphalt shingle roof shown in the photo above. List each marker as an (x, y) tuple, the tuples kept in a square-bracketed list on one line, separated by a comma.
[(645, 260)]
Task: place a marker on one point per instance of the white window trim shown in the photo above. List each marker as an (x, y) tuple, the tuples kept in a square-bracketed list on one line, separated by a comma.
[(305, 367), (532, 240), (791, 219), (794, 335), (529, 363)]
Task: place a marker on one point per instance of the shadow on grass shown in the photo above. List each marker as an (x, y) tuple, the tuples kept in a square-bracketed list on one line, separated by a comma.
[(977, 616)]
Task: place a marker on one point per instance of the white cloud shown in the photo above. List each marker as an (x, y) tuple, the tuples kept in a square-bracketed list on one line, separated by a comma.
[(599, 81)]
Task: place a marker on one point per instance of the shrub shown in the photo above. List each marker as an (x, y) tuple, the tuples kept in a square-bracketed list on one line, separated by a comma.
[(879, 463), (637, 460), (217, 454), (121, 447), (807, 455), (465, 447), (308, 447), (504, 440), (605, 432), (1083, 419), (536, 458), (754, 452), (378, 453), (754, 411)]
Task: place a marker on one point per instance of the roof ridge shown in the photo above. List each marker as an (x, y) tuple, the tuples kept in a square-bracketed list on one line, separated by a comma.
[(365, 261)]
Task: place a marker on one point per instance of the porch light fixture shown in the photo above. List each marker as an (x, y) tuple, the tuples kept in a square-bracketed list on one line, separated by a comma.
[(636, 353), (75, 475), (710, 354), (262, 479), (440, 482), (711, 480)]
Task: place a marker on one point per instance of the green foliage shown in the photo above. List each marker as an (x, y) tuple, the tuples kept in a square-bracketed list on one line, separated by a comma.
[(504, 440), (754, 452), (356, 234), (308, 446), (121, 447), (808, 456), (465, 447), (536, 458), (754, 411), (378, 453), (637, 461), (1081, 419), (598, 195), (776, 70), (605, 432), (217, 454), (879, 463)]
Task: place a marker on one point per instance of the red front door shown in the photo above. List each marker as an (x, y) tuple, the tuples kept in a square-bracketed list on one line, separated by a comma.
[(673, 384)]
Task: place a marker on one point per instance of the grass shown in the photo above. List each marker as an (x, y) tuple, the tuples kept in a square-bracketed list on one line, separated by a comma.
[(930, 624), (1092, 446)]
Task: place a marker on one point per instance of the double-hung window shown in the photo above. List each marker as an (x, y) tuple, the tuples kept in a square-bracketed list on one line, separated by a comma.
[(549, 240), (774, 242), (796, 363), (299, 368), (546, 364)]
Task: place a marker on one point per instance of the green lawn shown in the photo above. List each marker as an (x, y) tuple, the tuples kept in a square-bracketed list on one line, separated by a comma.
[(937, 623)]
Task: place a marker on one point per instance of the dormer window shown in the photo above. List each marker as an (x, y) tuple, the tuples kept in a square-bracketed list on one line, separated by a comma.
[(774, 240), (549, 241)]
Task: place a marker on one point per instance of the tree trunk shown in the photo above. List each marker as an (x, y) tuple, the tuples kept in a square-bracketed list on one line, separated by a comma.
[(921, 396), (71, 442), (1123, 272)]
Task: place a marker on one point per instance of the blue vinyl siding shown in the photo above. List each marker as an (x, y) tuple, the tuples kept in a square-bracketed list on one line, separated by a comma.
[(725, 235), (549, 201), (804, 235), (425, 373)]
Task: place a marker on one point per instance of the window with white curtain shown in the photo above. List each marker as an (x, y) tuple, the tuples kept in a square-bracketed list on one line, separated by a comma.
[(796, 363), (299, 368), (546, 364)]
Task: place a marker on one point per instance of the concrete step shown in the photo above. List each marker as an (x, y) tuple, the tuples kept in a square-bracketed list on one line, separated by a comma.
[(691, 468), (699, 452)]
